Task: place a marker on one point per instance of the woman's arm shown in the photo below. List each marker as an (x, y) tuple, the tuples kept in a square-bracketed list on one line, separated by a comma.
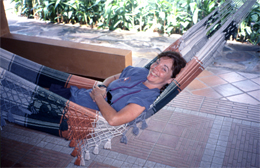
[(106, 82), (110, 79), (114, 118)]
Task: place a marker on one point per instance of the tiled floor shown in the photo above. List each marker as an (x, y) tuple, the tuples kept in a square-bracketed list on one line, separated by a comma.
[(187, 138), (227, 85), (176, 137), (27, 155), (242, 150), (22, 147), (247, 112)]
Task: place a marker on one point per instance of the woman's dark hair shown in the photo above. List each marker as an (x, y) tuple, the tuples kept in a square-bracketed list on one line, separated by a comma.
[(178, 61)]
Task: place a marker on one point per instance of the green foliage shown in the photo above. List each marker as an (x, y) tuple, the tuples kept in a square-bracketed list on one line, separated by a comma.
[(163, 16), (117, 14), (18, 4), (250, 27), (24, 7)]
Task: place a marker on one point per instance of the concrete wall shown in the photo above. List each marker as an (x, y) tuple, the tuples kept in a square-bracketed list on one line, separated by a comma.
[(76, 58)]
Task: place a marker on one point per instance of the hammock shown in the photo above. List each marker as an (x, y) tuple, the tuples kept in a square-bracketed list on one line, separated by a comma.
[(25, 99)]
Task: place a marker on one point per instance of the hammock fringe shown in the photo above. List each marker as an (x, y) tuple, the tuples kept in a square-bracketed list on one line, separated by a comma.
[(87, 155), (108, 144), (75, 152), (77, 161), (96, 150)]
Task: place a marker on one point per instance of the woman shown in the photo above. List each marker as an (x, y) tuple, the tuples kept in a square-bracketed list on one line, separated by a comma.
[(123, 97)]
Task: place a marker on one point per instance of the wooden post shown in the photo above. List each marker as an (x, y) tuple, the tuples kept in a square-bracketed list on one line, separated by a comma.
[(4, 28)]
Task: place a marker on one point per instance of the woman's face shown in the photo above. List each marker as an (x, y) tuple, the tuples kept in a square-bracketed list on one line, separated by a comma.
[(161, 71)]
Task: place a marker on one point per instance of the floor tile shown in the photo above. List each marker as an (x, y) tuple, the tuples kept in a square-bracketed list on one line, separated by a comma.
[(162, 115), (23, 164), (246, 85), (255, 94), (156, 125), (213, 81), (256, 80), (149, 136), (249, 75), (131, 159), (6, 162), (168, 140), (232, 77), (173, 129), (227, 90), (242, 145), (196, 84), (137, 148), (26, 155), (218, 71), (208, 92), (97, 164), (205, 73), (223, 98), (243, 98), (117, 163), (121, 157)]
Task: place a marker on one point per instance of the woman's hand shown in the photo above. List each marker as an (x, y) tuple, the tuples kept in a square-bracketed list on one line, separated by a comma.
[(97, 91), (102, 90), (114, 118)]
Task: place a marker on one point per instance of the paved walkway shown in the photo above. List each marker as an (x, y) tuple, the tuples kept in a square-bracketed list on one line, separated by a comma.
[(214, 122)]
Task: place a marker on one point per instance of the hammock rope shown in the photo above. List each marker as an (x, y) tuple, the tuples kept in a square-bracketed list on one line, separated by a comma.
[(25, 101)]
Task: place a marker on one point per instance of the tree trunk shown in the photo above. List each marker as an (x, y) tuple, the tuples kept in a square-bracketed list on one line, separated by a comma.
[(141, 23)]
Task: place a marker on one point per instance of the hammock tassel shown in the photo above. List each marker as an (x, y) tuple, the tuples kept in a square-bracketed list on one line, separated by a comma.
[(72, 143), (96, 150), (123, 139), (10, 117), (144, 124), (135, 130), (74, 152), (65, 134), (82, 161), (87, 155), (108, 144), (64, 125), (77, 162)]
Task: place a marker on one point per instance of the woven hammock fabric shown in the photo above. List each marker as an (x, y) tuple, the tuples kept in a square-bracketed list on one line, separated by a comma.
[(25, 99)]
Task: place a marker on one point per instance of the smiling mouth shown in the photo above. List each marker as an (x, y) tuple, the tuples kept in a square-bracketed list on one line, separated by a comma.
[(153, 74)]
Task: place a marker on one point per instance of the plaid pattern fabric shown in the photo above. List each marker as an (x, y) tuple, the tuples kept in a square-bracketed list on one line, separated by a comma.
[(32, 71), (23, 97), (29, 105)]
